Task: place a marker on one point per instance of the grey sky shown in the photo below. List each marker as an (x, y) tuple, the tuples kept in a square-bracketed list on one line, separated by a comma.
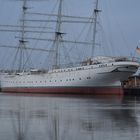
[(120, 21)]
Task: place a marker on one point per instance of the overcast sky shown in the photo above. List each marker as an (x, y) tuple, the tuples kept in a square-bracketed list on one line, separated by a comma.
[(119, 24)]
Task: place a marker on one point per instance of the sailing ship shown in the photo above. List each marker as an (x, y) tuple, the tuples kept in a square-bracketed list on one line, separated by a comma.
[(95, 75)]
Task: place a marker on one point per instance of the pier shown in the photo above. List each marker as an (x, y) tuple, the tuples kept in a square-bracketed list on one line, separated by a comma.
[(132, 85)]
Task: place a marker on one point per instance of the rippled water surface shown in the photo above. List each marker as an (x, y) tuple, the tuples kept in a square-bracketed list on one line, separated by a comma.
[(41, 117)]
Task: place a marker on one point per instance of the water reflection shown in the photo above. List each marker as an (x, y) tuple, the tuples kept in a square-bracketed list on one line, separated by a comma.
[(25, 117)]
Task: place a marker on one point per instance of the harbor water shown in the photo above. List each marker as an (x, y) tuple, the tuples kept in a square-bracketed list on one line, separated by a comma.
[(59, 117)]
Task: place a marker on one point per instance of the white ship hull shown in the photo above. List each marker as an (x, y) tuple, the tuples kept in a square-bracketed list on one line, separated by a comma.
[(100, 78)]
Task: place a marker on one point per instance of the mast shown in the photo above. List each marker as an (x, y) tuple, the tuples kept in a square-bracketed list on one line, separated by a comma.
[(58, 34), (22, 41), (96, 11)]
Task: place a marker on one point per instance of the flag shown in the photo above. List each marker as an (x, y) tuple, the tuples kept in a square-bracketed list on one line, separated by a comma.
[(138, 49)]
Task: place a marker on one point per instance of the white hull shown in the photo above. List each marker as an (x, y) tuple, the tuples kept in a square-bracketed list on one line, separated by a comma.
[(90, 76)]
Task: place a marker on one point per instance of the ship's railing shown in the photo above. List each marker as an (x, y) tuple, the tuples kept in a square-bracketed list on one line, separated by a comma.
[(99, 60), (132, 59), (17, 72), (38, 71)]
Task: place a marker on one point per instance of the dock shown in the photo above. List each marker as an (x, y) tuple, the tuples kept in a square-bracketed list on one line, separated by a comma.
[(132, 85)]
